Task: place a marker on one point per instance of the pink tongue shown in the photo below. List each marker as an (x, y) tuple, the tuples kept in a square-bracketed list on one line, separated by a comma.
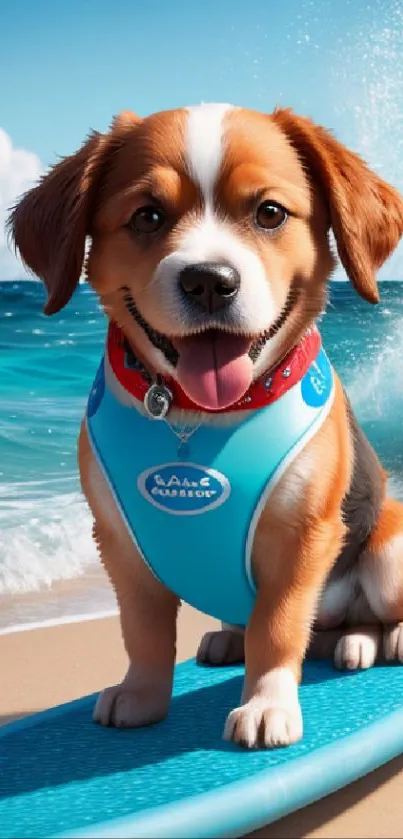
[(214, 368)]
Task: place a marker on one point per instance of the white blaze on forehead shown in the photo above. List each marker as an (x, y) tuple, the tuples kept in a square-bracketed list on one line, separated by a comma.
[(207, 238), (204, 144), (210, 240)]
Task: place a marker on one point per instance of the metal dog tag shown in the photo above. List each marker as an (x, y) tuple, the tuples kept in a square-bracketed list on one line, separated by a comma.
[(158, 401)]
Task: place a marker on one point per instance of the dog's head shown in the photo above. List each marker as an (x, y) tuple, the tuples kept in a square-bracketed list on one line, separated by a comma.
[(209, 235)]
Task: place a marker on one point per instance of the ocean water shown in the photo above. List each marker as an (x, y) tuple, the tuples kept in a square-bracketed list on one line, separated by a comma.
[(46, 369)]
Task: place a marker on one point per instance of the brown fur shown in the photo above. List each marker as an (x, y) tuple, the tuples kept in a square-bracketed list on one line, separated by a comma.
[(303, 529), (365, 212)]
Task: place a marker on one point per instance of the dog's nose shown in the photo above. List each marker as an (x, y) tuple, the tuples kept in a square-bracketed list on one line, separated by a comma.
[(211, 285)]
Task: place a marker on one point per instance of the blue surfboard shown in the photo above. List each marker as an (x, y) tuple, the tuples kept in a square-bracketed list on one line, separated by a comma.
[(61, 775)]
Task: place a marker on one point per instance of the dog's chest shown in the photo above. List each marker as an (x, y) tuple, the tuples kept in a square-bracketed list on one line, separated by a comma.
[(193, 517)]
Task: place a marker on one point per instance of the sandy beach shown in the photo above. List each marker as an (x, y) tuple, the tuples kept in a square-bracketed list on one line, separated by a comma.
[(46, 666)]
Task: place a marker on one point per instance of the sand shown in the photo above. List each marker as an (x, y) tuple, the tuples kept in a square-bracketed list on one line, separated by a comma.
[(46, 666)]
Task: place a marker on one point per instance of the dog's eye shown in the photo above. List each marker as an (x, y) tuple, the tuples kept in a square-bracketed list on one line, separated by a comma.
[(147, 219), (270, 215)]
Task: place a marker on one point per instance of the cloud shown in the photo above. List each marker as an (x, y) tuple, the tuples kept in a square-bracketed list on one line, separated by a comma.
[(19, 169)]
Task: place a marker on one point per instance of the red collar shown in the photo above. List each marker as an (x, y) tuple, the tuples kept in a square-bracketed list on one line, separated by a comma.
[(263, 392)]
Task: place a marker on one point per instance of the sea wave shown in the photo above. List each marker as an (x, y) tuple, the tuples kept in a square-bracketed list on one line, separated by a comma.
[(44, 537)]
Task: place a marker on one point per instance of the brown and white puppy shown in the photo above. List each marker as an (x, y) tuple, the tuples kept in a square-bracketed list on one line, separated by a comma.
[(259, 193)]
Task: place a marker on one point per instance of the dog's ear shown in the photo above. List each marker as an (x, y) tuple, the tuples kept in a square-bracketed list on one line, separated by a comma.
[(365, 213), (50, 223)]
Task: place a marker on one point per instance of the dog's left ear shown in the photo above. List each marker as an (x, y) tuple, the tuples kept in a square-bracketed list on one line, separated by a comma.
[(50, 223), (366, 214)]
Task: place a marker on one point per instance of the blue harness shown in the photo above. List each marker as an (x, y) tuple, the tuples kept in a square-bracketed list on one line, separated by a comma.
[(193, 520)]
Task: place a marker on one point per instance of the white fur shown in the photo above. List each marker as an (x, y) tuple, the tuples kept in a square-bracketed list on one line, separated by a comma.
[(354, 598), (278, 687), (382, 577), (208, 240), (367, 591), (272, 712), (393, 642), (334, 601), (356, 650), (204, 144), (371, 589)]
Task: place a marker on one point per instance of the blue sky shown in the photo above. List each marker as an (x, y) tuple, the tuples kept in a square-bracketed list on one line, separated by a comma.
[(66, 67)]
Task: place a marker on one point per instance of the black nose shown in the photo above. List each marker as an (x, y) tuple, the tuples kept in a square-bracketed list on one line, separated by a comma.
[(211, 285)]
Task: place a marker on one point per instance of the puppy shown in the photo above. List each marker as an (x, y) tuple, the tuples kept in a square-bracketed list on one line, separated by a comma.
[(219, 453)]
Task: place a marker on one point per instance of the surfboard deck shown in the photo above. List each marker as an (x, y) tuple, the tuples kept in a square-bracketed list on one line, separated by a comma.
[(61, 775)]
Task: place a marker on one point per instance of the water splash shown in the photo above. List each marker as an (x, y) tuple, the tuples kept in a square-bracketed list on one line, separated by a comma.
[(368, 79), (367, 92), (376, 389), (42, 539)]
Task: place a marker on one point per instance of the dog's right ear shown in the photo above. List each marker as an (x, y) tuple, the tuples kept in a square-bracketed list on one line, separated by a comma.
[(366, 213), (50, 223)]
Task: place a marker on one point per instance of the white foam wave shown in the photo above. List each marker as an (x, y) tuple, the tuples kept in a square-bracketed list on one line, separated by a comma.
[(367, 90), (60, 621), (395, 487), (43, 539), (376, 389)]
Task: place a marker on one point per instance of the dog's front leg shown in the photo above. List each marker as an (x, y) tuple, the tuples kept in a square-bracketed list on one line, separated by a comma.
[(148, 613), (277, 637)]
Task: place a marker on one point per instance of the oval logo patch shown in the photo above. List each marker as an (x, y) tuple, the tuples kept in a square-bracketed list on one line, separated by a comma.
[(317, 382), (97, 391), (184, 489)]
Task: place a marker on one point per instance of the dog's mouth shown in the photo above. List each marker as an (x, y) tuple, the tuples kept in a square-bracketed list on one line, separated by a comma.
[(214, 367)]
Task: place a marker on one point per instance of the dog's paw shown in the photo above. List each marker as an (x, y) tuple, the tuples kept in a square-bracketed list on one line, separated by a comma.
[(223, 647), (357, 650), (393, 642), (257, 724), (125, 707)]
